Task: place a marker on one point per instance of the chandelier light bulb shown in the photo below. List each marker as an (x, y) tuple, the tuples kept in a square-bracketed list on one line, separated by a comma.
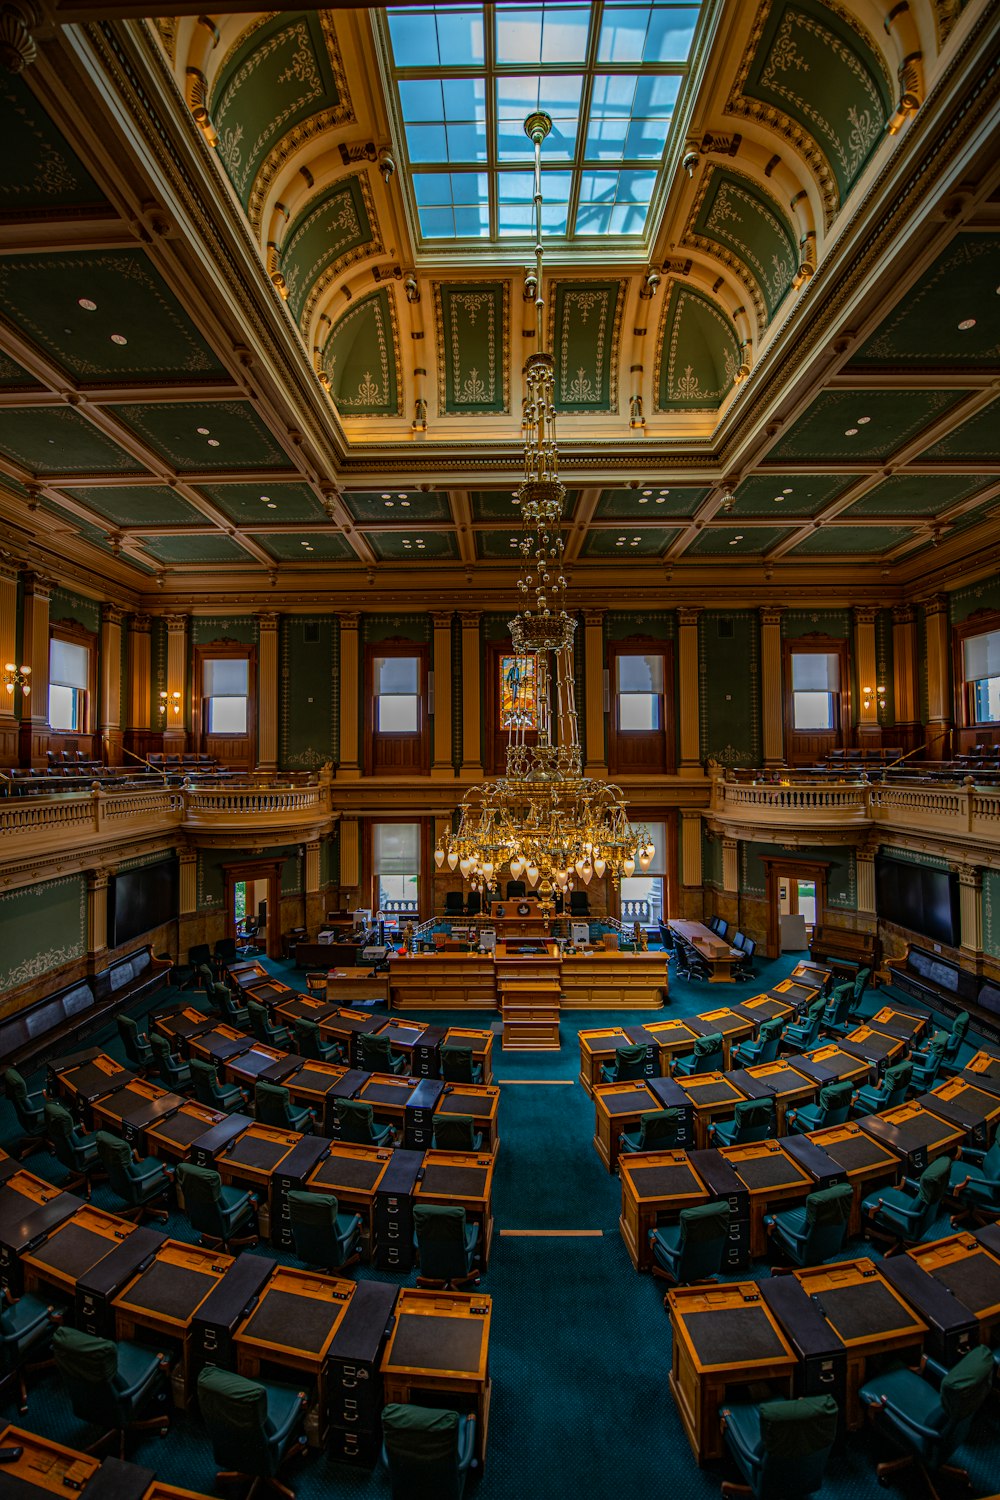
[(439, 856), (628, 867), (465, 865), (452, 859), (588, 871), (516, 866), (645, 859), (532, 874), (599, 867)]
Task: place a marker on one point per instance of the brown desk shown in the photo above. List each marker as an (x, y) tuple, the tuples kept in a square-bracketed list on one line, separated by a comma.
[(771, 1178), (292, 1328), (300, 1007), (388, 1094), (598, 1046), (461, 1179), (253, 1158), (130, 1111), (90, 1080), (73, 1249), (347, 986), (878, 1048), (222, 1042), (867, 1315), (246, 1066), (174, 1136), (963, 1101), (713, 1097), (902, 1021), (868, 1162), (970, 1272), (984, 1070), (716, 952), (656, 1185), (439, 1347), (722, 1336), (442, 981), (765, 1008), (673, 1039), (164, 1298), (617, 1107), (178, 1026), (732, 1023), (812, 973), (917, 1136), (829, 1063), (611, 980), (481, 1043), (46, 1465), (780, 1081), (310, 1085), (482, 1101), (352, 1173)]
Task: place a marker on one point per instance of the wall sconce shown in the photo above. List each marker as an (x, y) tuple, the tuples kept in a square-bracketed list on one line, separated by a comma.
[(869, 696), (17, 677), (650, 282), (419, 423), (635, 416), (386, 164), (173, 699)]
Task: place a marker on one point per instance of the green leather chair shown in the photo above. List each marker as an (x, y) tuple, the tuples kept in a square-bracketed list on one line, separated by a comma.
[(781, 1447), (658, 1129), (707, 1056), (375, 1055), (956, 1037), (902, 1216), (251, 1425), (27, 1324), (458, 1064), (322, 1235), (217, 1212), (427, 1451), (110, 1384), (140, 1183), (29, 1109), (309, 1042), (891, 1089), (208, 1090), (272, 1105), (926, 1063), (456, 1133), (263, 1028), (226, 1002), (761, 1050), (815, 1232), (801, 1034), (692, 1249), (974, 1182), (138, 1052), (355, 1121), (173, 1070), (832, 1107), (928, 1415), (71, 1145), (447, 1246), (861, 979), (629, 1062), (836, 1017), (753, 1120)]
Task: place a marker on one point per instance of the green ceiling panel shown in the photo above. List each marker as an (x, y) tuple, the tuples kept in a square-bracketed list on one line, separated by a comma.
[(12, 375), (361, 358), (811, 63), (56, 440), (652, 541), (585, 330), (832, 541), (411, 546), (915, 495), (796, 494), (408, 507), (730, 541), (987, 511), (212, 548), (196, 435), (928, 328), (498, 505), (862, 424), (742, 221), (312, 546), (131, 327), (283, 74), (979, 437), (92, 534), (40, 169), (499, 546), (246, 504), (128, 505), (652, 503), (332, 231), (698, 353), (473, 347)]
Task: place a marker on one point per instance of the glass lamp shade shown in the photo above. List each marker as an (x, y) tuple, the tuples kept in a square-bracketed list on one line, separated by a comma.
[(439, 856), (628, 867), (532, 874), (516, 866), (452, 860), (599, 867)]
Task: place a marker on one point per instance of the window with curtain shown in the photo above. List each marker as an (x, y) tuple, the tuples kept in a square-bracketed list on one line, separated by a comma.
[(225, 691), (639, 691), (815, 689), (397, 694), (643, 895), (69, 685), (396, 866), (981, 672)]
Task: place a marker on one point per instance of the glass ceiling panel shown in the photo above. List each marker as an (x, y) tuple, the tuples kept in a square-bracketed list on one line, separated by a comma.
[(609, 75)]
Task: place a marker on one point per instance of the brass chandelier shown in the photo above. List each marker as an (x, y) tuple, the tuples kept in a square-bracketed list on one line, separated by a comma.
[(542, 817)]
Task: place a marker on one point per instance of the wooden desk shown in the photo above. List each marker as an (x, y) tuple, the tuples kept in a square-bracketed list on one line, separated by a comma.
[(868, 1162), (302, 1008), (388, 1095), (917, 1136), (345, 1026), (779, 1081), (439, 1346), (902, 1021), (963, 1103), (219, 1044), (45, 1466), (267, 991), (73, 1249), (734, 1026), (311, 1084), (764, 1008), (713, 1097), (130, 1111), (178, 1026), (174, 1136), (829, 1063), (292, 1328), (352, 1173), (598, 1046), (812, 974), (878, 1048), (798, 990), (246, 1066), (464, 1180), (722, 1336), (529, 989), (253, 1158), (617, 1107), (347, 986), (867, 1315), (984, 1071), (482, 1101), (673, 1039), (29, 1209), (656, 1185), (716, 952), (609, 981), (442, 981), (94, 1079), (164, 1297), (481, 1043), (969, 1271), (247, 971), (771, 1179)]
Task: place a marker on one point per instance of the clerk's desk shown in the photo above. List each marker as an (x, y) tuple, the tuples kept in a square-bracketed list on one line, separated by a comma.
[(716, 952), (45, 1468), (723, 1336), (438, 1351)]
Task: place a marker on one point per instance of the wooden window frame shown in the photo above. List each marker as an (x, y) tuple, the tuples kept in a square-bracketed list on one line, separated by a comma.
[(226, 650), (662, 742), (420, 740), (76, 634), (981, 622), (425, 875), (817, 645)]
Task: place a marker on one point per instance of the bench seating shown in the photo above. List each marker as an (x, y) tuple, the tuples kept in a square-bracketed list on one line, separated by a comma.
[(942, 983), (837, 946)]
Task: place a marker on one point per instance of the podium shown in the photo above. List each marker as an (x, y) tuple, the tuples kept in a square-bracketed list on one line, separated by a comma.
[(528, 991)]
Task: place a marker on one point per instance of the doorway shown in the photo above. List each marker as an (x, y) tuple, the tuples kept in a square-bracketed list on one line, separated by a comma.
[(250, 910), (252, 890), (796, 901)]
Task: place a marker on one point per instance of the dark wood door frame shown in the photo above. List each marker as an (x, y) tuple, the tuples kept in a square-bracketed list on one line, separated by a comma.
[(775, 866), (256, 869)]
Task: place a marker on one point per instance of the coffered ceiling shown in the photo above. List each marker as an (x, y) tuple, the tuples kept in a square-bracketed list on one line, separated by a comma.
[(263, 313)]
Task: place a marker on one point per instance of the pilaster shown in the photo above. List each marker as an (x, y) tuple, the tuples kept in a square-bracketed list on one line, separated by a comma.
[(472, 693), (595, 744), (772, 690), (110, 721), (731, 866), (138, 646), (441, 766), (97, 912), (906, 700), (175, 725), (936, 632), (350, 856), (8, 652), (267, 690), (687, 671), (349, 768), (866, 667), (34, 710), (691, 848), (970, 895)]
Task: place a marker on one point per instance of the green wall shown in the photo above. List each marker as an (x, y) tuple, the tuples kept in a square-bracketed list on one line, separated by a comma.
[(44, 927), (799, 622), (982, 595), (729, 686), (711, 860), (307, 690), (65, 605), (842, 880), (991, 913), (208, 628), (211, 883)]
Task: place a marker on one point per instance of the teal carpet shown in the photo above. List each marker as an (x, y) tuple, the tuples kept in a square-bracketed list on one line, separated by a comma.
[(580, 1347)]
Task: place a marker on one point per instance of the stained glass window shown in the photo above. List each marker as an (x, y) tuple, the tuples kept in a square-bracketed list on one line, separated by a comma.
[(518, 693)]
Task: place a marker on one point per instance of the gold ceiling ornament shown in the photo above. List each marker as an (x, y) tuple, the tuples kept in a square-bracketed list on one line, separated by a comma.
[(543, 818)]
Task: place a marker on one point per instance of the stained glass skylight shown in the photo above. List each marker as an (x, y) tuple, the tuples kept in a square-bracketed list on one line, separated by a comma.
[(610, 75)]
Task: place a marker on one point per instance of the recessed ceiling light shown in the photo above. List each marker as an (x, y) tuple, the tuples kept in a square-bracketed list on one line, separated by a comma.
[(271, 505), (850, 432), (213, 442), (402, 496), (204, 431), (779, 499), (633, 544), (404, 503), (619, 544), (644, 501), (647, 492), (863, 421), (386, 497), (87, 304), (118, 338), (788, 491), (966, 324), (304, 544), (389, 504)]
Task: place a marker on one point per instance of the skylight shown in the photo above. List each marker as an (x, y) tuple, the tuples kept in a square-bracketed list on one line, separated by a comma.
[(610, 76)]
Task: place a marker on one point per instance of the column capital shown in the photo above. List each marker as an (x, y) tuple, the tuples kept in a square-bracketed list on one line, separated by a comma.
[(97, 880), (139, 624), (729, 843), (441, 618), (903, 614), (267, 619), (470, 618), (937, 604), (37, 587), (865, 614), (188, 856), (112, 614), (970, 875), (594, 617), (176, 624), (349, 619), (313, 846), (688, 614), (770, 614)]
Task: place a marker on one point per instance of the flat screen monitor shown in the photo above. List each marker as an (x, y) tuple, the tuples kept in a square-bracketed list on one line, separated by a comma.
[(918, 897), (139, 900)]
